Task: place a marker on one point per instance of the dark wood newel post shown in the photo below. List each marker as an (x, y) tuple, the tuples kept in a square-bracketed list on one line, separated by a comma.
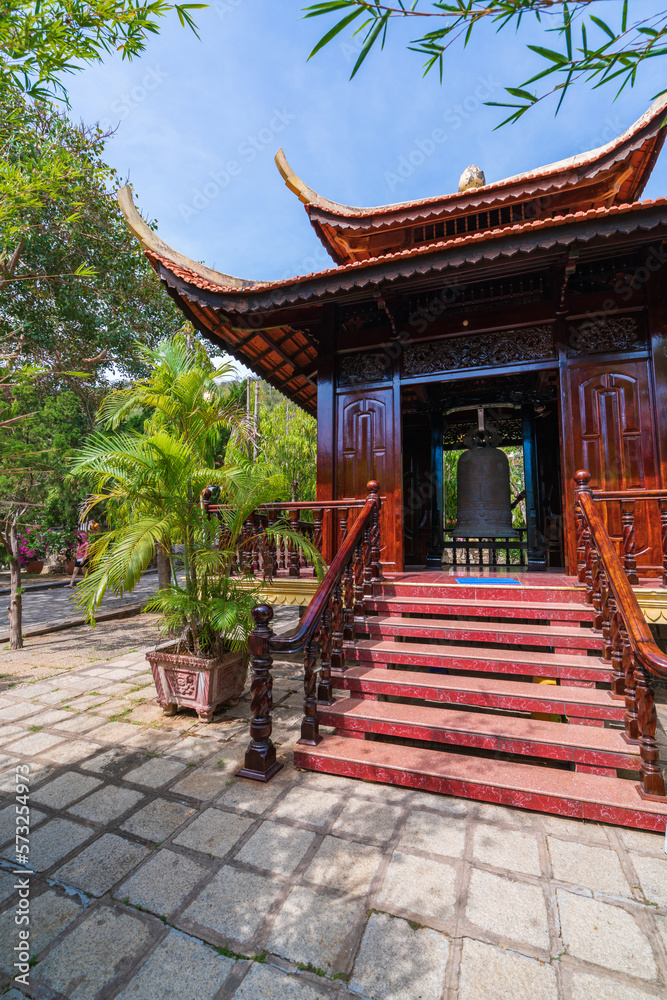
[(310, 730), (663, 522), (375, 540), (582, 479), (629, 552), (260, 760), (653, 782)]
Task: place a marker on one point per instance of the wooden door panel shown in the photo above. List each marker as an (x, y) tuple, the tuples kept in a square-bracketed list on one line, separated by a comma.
[(610, 426), (366, 450)]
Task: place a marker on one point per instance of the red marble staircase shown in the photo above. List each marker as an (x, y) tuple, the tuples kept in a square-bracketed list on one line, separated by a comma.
[(495, 693)]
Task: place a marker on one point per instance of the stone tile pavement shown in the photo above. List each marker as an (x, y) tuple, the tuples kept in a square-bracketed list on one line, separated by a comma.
[(160, 876)]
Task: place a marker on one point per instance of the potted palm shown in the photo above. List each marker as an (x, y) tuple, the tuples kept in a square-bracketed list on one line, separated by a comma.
[(153, 486)]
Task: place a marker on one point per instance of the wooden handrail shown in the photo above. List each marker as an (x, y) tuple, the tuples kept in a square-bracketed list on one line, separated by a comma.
[(629, 494), (639, 633), (627, 639), (328, 621), (296, 640)]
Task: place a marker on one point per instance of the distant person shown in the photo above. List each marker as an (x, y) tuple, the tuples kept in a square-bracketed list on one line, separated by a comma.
[(81, 555)]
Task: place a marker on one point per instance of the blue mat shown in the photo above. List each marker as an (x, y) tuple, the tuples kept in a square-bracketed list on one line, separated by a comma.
[(506, 581)]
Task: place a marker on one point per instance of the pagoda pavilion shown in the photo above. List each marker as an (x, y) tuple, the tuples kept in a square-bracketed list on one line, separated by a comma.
[(532, 310)]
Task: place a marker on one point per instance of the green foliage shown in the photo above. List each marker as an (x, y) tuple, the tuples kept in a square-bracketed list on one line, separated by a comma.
[(76, 291), (41, 42), (158, 479), (288, 446), (607, 53)]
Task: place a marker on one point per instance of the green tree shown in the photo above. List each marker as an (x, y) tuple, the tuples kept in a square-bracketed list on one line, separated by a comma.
[(42, 42), (288, 445), (587, 48), (158, 479)]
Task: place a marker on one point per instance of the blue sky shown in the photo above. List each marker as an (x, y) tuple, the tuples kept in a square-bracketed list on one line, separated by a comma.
[(189, 109)]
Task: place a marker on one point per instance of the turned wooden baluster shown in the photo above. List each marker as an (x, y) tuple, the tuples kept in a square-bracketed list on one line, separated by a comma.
[(653, 782), (582, 479), (606, 597), (318, 514), (631, 715), (247, 545), (348, 601), (310, 732), (375, 539), (368, 571), (663, 522), (337, 650), (603, 612), (270, 548), (629, 557), (359, 607), (588, 564), (260, 760), (617, 665), (257, 531), (343, 515), (294, 566), (324, 689), (596, 587), (610, 627)]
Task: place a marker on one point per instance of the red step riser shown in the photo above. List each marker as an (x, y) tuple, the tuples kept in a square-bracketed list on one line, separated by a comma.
[(508, 703), (411, 629), (556, 805), (347, 725), (481, 665), (454, 592), (387, 606)]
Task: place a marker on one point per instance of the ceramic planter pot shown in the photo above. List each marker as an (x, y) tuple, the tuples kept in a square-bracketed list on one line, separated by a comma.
[(194, 682), (69, 567), (34, 566)]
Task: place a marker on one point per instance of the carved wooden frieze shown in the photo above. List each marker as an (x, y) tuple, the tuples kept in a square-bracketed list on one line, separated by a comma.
[(532, 343), (363, 367), (605, 335)]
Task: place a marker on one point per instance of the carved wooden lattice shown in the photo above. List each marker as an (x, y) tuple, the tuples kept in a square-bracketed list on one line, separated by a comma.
[(363, 367), (531, 343), (605, 334)]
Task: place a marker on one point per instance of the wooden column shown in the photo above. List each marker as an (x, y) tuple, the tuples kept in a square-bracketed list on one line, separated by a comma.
[(536, 555), (434, 557)]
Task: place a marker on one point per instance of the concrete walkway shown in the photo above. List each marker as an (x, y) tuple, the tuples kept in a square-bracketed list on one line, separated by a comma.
[(58, 602), (159, 876)]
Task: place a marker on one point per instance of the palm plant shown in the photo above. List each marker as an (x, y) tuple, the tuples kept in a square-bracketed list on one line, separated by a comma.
[(154, 483)]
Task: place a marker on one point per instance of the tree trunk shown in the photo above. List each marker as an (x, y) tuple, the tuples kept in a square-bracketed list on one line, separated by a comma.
[(163, 568), (15, 599), (255, 438)]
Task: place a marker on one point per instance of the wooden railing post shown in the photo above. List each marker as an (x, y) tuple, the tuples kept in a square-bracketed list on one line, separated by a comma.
[(324, 689), (631, 717), (663, 522), (248, 546), (359, 609), (582, 479), (294, 567), (653, 782), (617, 668), (337, 650), (317, 528), (310, 730), (260, 760), (348, 602), (629, 556), (375, 538)]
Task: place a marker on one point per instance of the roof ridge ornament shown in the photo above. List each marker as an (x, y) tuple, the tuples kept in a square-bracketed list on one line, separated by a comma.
[(472, 177), (151, 242)]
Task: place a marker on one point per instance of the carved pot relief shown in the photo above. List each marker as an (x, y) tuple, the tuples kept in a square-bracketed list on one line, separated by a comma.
[(533, 343), (194, 682)]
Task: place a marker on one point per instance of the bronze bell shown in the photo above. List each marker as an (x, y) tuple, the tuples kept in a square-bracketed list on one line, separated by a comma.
[(483, 501)]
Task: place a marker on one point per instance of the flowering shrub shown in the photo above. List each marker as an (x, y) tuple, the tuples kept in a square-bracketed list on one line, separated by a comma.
[(31, 544), (36, 542)]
